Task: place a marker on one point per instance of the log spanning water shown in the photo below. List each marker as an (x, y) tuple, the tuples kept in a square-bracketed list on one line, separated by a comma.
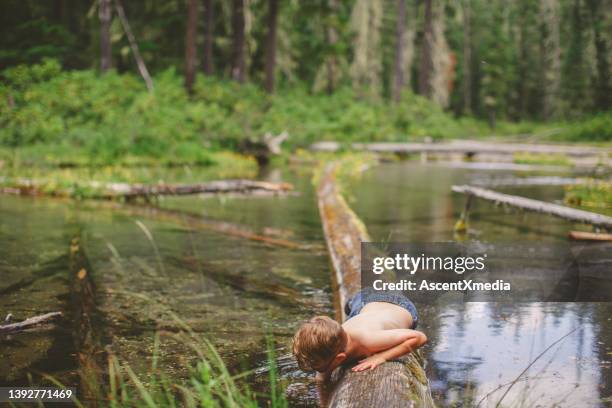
[(399, 383), (112, 191), (469, 147), (567, 213)]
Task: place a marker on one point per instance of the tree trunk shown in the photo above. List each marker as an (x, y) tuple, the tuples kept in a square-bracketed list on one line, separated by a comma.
[(398, 68), (602, 90), (208, 37), (467, 58), (271, 45), (104, 13), (426, 65), (238, 66), (142, 68), (190, 44), (332, 38)]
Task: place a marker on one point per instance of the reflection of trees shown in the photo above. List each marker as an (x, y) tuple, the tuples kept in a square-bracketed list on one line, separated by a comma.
[(602, 328)]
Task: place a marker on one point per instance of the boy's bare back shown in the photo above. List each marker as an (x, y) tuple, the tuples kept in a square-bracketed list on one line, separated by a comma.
[(378, 327)]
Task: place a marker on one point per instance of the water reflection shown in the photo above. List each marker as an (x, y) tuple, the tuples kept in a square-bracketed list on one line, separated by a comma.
[(475, 348)]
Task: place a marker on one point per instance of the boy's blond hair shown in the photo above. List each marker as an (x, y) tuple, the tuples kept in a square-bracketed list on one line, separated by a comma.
[(317, 342)]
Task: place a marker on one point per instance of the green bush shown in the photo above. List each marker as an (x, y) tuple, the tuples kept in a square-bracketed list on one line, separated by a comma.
[(105, 118), (595, 129)]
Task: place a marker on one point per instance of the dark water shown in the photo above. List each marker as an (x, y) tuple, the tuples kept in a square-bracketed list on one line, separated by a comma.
[(235, 291)]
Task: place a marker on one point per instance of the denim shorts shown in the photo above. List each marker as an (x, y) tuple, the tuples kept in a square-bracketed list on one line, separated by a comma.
[(356, 303)]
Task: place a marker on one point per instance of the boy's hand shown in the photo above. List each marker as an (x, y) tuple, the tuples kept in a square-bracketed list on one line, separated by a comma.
[(369, 363)]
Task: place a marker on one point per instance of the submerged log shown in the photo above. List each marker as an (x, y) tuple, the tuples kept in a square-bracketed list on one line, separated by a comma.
[(399, 383), (195, 221), (567, 213), (112, 191), (29, 322), (86, 321)]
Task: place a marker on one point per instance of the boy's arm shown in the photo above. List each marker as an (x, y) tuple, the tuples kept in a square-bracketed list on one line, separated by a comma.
[(393, 344)]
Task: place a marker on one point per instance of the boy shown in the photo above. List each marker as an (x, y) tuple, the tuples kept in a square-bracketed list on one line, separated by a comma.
[(379, 327)]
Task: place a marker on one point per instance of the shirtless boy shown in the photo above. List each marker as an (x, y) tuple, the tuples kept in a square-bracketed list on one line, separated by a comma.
[(379, 327)]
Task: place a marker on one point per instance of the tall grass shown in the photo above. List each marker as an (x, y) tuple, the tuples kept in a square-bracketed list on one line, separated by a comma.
[(209, 384)]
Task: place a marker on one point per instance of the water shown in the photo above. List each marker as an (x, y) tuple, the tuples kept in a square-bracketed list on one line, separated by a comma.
[(235, 291)]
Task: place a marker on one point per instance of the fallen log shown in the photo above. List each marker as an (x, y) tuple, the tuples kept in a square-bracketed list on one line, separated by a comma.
[(589, 236), (395, 383), (86, 320), (467, 147), (567, 213), (29, 322), (195, 221), (113, 191), (124, 190)]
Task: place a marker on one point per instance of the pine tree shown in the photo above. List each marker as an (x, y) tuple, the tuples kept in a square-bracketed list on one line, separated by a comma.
[(366, 67)]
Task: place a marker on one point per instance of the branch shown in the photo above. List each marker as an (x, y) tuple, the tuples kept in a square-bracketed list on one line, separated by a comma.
[(27, 323)]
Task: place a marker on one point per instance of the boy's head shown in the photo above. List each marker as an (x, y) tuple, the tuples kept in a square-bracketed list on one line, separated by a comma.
[(320, 344)]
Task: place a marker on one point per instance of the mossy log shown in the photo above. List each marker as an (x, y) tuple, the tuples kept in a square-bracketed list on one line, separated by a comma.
[(399, 383)]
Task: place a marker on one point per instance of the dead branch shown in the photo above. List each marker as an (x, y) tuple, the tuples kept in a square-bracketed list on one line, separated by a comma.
[(29, 322)]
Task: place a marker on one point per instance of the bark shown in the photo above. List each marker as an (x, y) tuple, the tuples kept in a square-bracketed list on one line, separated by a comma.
[(426, 64), (208, 37), (104, 13), (190, 44), (271, 45), (395, 383), (529, 204), (398, 67), (142, 68), (29, 322), (467, 57), (238, 42)]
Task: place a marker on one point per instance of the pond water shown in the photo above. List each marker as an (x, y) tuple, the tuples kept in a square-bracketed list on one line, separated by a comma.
[(235, 291)]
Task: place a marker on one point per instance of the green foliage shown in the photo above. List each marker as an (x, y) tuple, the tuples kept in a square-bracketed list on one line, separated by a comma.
[(80, 117), (597, 129), (111, 117), (594, 193)]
